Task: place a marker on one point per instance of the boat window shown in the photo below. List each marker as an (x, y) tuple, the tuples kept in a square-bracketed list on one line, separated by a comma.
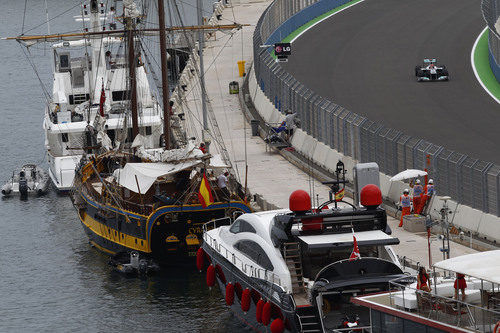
[(121, 95), (253, 251), (64, 137), (316, 259), (241, 226), (78, 99)]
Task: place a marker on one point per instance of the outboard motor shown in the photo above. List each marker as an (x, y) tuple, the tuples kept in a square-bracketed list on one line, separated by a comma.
[(143, 266), (23, 185), (134, 259), (6, 189)]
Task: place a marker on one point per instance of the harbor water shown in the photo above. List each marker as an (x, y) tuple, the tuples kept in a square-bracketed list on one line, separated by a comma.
[(51, 278)]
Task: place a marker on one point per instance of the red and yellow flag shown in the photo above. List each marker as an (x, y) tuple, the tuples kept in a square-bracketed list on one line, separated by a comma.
[(339, 195), (205, 193)]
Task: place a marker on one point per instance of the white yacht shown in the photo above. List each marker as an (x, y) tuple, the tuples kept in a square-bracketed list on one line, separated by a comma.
[(91, 78), (294, 269)]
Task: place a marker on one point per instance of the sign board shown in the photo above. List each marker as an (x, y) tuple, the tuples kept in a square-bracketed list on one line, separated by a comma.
[(282, 49)]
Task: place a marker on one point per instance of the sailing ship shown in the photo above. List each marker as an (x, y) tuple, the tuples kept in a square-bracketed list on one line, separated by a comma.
[(153, 201), (296, 269)]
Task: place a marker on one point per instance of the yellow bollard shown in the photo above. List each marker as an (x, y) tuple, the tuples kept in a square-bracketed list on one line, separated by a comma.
[(241, 67)]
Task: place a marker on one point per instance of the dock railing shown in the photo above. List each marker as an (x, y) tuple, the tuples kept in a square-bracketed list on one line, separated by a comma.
[(444, 309)]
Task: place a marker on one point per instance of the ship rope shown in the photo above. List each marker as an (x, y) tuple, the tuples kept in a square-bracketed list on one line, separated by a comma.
[(216, 134)]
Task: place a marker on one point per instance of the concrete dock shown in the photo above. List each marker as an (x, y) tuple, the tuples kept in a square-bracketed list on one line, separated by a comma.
[(269, 174)]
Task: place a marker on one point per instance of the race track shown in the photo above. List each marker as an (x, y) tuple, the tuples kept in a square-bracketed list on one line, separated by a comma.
[(364, 58)]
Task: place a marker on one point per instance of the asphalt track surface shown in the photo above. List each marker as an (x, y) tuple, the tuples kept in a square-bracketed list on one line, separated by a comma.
[(364, 59)]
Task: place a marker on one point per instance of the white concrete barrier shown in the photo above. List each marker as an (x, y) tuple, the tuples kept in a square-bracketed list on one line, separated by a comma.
[(385, 185), (489, 227), (320, 154), (298, 138), (252, 85), (308, 146), (331, 160), (467, 218), (276, 117)]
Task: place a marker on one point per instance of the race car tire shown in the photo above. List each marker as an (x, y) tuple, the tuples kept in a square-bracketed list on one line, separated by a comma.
[(445, 72), (417, 70)]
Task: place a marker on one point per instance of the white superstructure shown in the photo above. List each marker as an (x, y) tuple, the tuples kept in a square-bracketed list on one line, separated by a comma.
[(82, 68)]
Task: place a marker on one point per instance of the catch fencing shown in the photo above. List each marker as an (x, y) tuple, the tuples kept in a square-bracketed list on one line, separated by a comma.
[(491, 14), (467, 180)]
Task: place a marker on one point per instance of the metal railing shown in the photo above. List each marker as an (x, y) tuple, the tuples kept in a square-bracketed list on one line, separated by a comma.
[(249, 270), (444, 309), (467, 180)]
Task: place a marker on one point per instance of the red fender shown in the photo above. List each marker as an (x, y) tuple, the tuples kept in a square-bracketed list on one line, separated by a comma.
[(266, 313), (277, 326), (258, 311), (245, 300), (200, 259), (229, 294), (210, 276)]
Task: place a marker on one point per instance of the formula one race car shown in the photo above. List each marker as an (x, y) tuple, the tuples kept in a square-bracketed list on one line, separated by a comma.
[(430, 71)]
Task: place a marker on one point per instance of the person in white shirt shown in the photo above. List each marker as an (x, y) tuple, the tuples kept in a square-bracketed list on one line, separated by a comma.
[(222, 183)]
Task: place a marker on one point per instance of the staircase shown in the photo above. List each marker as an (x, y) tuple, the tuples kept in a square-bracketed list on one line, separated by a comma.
[(291, 254), (309, 319)]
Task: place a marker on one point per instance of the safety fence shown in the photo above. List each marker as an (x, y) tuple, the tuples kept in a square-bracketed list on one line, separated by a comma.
[(467, 180), (491, 14)]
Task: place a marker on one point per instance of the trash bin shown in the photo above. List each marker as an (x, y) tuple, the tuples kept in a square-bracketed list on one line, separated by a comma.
[(255, 127), (234, 87), (241, 67)]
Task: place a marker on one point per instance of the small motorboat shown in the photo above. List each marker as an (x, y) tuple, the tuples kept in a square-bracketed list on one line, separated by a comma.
[(30, 179), (132, 264)]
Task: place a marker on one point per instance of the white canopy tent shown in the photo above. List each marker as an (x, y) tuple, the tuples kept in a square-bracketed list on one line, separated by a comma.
[(408, 174), (482, 265), (147, 173)]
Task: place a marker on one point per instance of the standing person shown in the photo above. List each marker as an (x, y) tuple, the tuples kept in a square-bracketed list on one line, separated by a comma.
[(423, 280), (418, 191), (428, 193), (289, 123), (460, 284), (109, 62), (203, 148), (405, 204), (222, 183)]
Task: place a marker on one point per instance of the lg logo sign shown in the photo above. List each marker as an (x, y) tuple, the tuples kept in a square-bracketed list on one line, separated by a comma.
[(282, 49)]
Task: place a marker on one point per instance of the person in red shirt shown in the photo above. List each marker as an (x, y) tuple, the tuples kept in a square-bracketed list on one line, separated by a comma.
[(460, 284), (418, 191), (423, 280), (405, 204), (203, 148)]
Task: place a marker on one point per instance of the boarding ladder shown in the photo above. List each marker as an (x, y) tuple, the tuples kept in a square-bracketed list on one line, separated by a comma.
[(309, 319), (291, 254)]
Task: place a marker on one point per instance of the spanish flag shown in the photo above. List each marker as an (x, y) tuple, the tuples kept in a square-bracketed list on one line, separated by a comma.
[(339, 195), (205, 193)]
